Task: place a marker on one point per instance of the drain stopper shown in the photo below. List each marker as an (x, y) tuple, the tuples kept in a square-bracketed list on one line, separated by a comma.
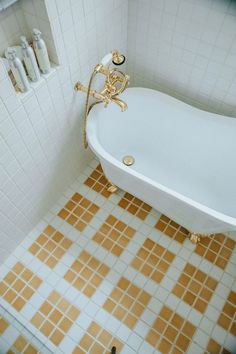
[(128, 160)]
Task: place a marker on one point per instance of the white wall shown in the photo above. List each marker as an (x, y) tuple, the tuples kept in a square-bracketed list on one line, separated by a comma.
[(41, 148), (19, 19), (186, 48), (12, 23)]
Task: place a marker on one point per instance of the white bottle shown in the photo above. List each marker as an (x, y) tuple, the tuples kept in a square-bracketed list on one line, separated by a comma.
[(29, 60), (18, 70), (41, 51)]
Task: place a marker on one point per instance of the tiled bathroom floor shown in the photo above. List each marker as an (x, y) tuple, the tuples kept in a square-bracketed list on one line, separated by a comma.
[(103, 270), (14, 338)]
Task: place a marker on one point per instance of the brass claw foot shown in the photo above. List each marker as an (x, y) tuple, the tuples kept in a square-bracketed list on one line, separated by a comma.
[(195, 238), (111, 187)]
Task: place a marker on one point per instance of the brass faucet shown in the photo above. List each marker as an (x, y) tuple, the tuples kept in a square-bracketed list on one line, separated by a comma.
[(116, 82)]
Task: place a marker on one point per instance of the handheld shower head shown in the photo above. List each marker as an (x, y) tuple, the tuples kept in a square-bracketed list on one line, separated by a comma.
[(107, 59), (114, 57), (117, 58)]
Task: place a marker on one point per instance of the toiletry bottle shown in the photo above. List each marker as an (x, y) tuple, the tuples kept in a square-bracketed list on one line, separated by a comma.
[(41, 51), (29, 60), (18, 70)]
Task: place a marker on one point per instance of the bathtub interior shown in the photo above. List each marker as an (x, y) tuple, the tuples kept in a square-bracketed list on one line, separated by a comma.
[(182, 148)]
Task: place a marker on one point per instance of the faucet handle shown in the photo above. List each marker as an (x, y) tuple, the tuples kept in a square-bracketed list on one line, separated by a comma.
[(110, 88), (119, 80)]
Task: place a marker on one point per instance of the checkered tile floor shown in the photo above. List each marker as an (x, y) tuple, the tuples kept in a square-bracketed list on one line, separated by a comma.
[(106, 269), (15, 338)]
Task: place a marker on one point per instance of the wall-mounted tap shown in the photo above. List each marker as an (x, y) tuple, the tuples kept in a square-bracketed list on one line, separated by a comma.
[(116, 82)]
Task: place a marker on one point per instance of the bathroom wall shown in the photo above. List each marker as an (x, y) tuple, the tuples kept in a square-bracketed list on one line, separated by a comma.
[(186, 48), (41, 149), (12, 22), (19, 19)]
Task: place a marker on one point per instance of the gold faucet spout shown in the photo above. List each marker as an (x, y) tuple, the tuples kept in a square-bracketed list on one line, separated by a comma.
[(93, 93), (120, 103)]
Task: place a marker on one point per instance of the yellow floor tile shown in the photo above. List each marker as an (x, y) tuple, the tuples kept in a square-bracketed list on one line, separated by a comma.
[(227, 319), (127, 302), (3, 325), (172, 229), (217, 249), (55, 317), (78, 212), (19, 285), (114, 235), (153, 260), (50, 246), (135, 206), (86, 273), (195, 287), (98, 182), (97, 340), (170, 333)]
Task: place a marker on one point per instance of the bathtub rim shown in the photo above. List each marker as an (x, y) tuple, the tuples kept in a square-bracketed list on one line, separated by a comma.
[(99, 151)]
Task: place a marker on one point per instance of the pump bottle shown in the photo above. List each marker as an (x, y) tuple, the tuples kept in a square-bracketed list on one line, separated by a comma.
[(41, 51), (29, 60), (18, 70)]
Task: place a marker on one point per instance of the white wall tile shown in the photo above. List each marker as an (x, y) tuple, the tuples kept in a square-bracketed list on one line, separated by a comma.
[(41, 147), (185, 48)]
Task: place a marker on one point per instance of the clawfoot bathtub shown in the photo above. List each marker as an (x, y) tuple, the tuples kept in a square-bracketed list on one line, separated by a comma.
[(184, 157)]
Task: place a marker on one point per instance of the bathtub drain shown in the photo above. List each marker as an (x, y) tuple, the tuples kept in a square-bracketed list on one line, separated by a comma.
[(128, 160)]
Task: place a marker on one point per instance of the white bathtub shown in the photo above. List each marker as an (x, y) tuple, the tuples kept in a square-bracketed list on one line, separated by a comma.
[(185, 158)]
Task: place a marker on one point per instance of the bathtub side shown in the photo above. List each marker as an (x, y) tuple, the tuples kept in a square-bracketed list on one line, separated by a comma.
[(183, 213), (186, 212)]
